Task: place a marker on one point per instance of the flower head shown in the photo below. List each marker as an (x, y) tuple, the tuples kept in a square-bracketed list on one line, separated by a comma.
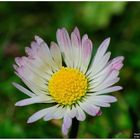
[(77, 88)]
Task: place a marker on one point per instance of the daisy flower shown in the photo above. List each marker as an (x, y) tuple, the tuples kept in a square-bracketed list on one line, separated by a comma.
[(75, 87)]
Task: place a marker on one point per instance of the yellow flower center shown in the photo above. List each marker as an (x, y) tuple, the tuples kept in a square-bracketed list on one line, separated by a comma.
[(67, 86)]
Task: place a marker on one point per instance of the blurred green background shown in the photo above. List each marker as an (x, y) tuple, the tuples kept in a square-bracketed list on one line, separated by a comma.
[(20, 21)]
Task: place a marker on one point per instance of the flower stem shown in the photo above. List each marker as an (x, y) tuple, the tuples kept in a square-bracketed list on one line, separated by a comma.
[(74, 128)]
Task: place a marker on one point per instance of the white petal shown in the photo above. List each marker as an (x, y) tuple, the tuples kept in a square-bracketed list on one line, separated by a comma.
[(101, 51), (101, 103), (90, 108), (108, 90), (95, 69), (40, 50), (59, 113), (38, 39), (64, 130), (37, 66), (55, 51), (33, 86), (48, 117), (31, 74), (117, 62), (101, 100), (76, 49), (104, 80), (38, 115), (36, 99), (100, 79), (24, 90), (73, 112), (65, 45), (46, 57), (112, 75), (50, 113), (67, 121), (86, 54), (77, 33), (106, 84), (108, 74), (105, 72), (106, 98), (80, 114)]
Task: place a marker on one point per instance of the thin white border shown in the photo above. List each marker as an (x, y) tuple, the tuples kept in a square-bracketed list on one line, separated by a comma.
[(67, 1), (71, 0), (66, 139)]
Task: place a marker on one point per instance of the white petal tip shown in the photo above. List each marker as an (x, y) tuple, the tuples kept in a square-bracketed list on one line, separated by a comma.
[(17, 104), (15, 85), (112, 99), (76, 28), (115, 100), (119, 88), (29, 121), (36, 37), (64, 131), (108, 39), (21, 103)]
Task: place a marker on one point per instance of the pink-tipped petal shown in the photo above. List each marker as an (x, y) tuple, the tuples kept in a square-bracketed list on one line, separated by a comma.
[(28, 51), (84, 38), (87, 48), (38, 39), (64, 130), (66, 38), (74, 40), (64, 43), (21, 60), (20, 70), (89, 108), (67, 121), (56, 54), (117, 63), (117, 66), (77, 33), (86, 52), (63, 38), (99, 113)]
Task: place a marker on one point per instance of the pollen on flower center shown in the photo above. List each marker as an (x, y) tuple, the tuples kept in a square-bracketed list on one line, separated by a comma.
[(67, 86)]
